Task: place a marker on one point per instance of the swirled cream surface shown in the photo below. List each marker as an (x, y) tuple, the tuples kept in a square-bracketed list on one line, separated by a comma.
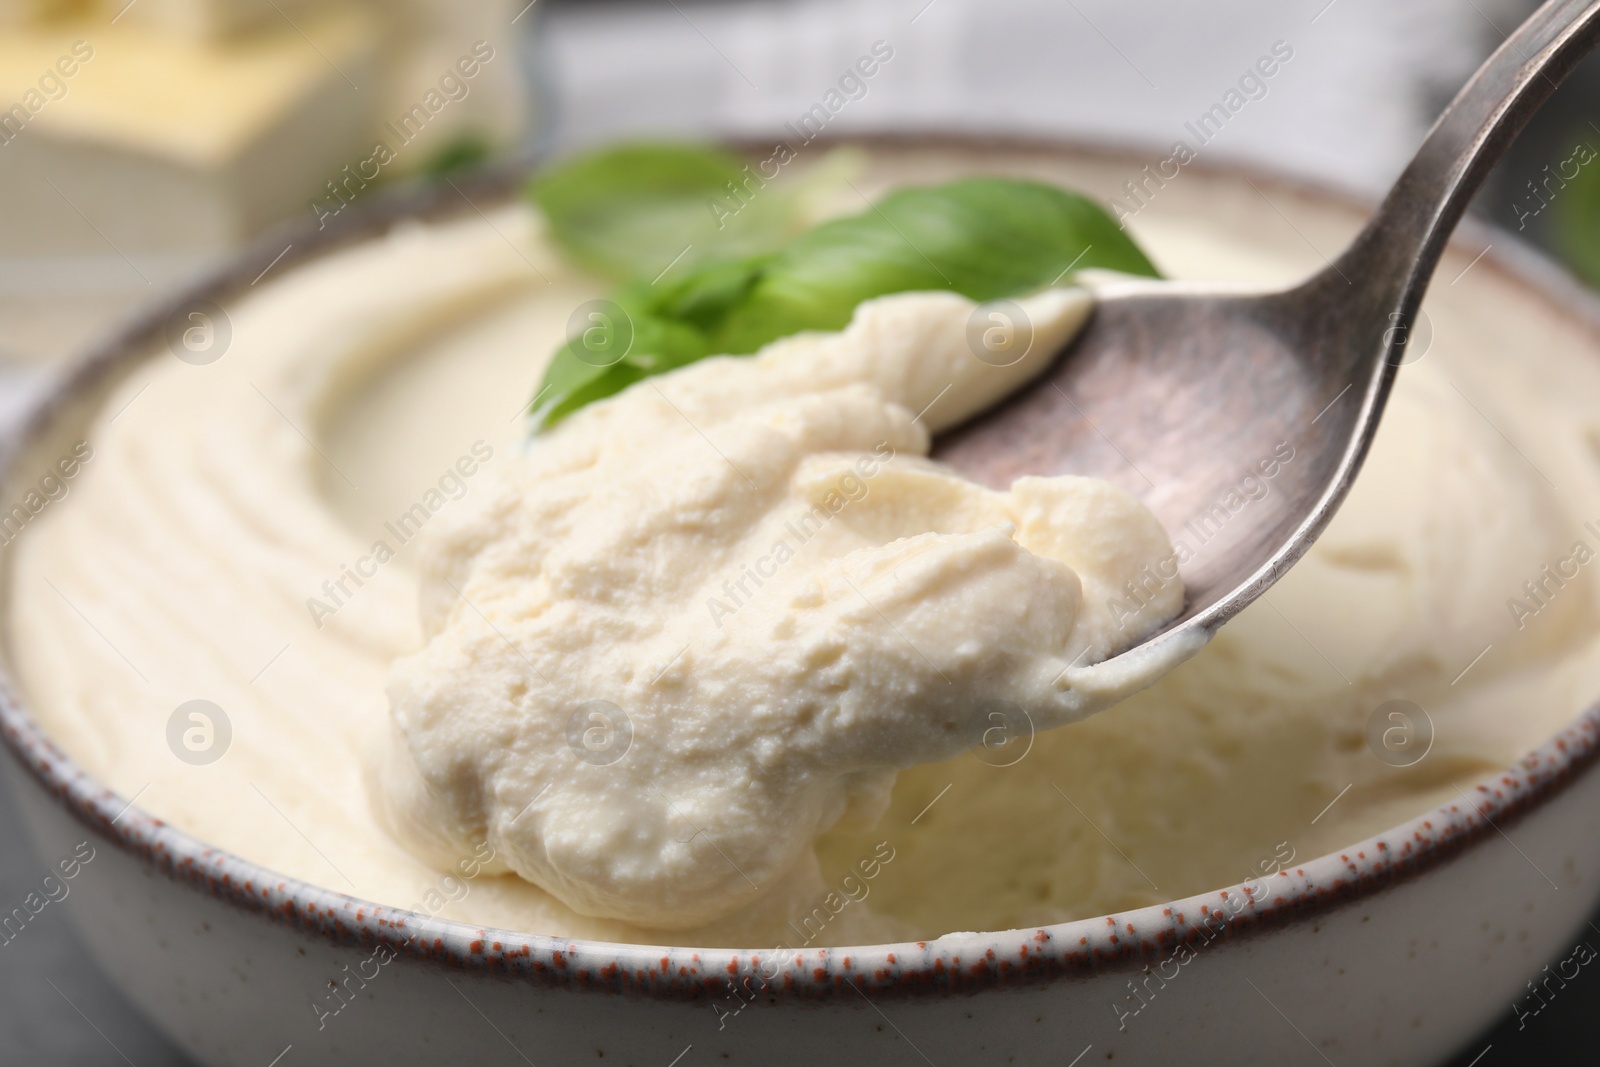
[(420, 634)]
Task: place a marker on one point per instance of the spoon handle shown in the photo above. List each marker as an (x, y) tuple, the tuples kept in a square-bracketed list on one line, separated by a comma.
[(1392, 260)]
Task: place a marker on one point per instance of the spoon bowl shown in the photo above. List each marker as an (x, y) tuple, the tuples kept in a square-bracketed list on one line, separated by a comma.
[(1229, 413), (1199, 391)]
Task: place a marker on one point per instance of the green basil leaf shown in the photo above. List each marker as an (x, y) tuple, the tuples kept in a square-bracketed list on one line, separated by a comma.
[(633, 209), (1578, 213), (985, 238), (463, 152), (581, 373)]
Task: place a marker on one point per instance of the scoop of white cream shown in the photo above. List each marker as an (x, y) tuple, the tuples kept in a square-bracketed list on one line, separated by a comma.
[(700, 623)]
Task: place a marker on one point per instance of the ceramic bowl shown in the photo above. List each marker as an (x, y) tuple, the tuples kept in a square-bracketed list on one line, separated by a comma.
[(1394, 950)]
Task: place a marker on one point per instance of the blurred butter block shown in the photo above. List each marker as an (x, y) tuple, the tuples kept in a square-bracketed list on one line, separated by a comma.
[(116, 135), (25, 12), (193, 19), (206, 19)]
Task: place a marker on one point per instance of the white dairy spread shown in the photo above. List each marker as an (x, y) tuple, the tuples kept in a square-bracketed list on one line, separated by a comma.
[(695, 625), (259, 532)]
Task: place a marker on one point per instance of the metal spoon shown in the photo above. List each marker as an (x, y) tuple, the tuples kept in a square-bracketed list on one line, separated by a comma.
[(1210, 381)]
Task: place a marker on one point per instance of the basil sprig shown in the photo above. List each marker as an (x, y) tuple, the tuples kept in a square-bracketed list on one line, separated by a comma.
[(632, 209)]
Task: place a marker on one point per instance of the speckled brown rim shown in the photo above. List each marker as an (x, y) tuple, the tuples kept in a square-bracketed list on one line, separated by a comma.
[(967, 963)]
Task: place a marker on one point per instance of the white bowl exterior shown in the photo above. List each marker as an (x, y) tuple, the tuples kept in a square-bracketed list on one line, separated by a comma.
[(1399, 977)]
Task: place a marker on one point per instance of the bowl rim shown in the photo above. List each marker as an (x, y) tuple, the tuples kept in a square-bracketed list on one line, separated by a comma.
[(955, 963)]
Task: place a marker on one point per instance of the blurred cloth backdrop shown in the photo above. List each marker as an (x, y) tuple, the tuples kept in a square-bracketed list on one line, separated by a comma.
[(1366, 78)]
